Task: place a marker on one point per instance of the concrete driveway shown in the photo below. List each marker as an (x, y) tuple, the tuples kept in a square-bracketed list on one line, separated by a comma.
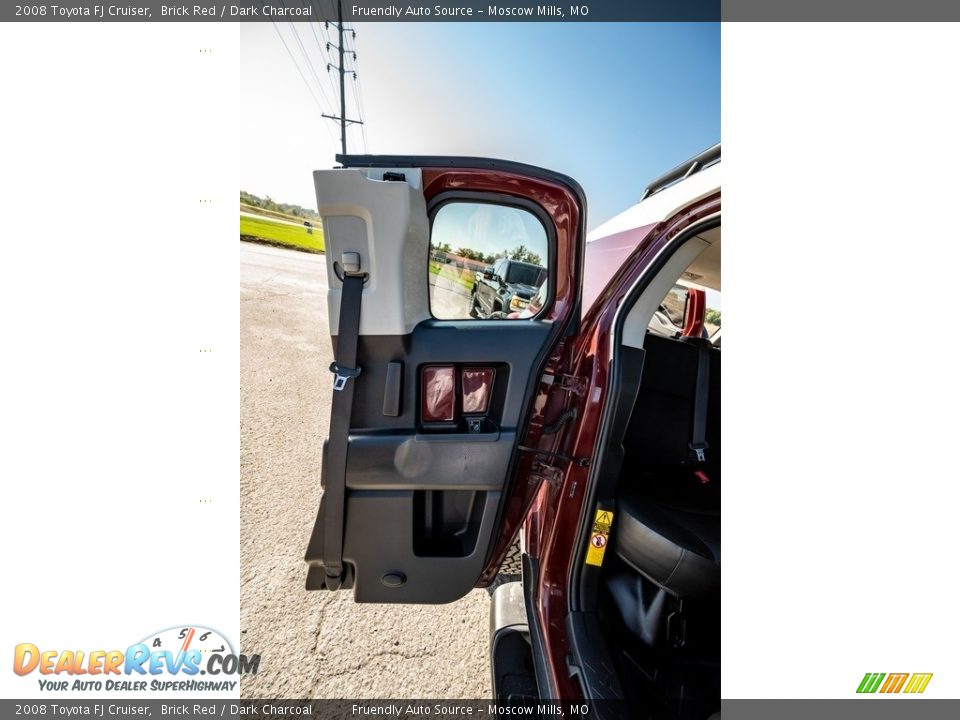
[(319, 644)]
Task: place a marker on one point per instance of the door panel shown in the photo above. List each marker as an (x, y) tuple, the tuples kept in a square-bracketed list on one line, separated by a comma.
[(424, 499), (386, 223), (389, 547)]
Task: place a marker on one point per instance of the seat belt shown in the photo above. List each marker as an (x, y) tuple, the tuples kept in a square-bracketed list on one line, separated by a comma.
[(698, 434), (326, 542)]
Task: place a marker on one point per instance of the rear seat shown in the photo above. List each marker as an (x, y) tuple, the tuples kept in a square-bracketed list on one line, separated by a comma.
[(668, 526)]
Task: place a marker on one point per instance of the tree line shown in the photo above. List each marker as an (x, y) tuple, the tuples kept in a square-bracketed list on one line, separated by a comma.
[(268, 203), (520, 253)]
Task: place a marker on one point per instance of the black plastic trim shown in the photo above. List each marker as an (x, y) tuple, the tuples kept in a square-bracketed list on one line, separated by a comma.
[(415, 461), (465, 162), (531, 574), (704, 159), (511, 656), (595, 668), (624, 385), (393, 389)]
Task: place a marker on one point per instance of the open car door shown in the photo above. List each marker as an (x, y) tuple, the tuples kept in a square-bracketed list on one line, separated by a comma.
[(432, 405)]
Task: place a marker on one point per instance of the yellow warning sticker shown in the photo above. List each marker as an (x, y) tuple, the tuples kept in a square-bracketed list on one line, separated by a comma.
[(599, 537)]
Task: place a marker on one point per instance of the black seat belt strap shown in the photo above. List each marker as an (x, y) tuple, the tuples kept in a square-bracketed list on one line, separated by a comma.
[(326, 543), (698, 434)]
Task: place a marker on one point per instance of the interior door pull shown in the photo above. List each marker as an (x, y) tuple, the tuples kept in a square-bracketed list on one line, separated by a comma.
[(392, 389)]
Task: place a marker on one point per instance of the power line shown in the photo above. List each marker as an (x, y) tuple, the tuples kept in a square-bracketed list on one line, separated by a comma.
[(329, 63), (308, 61), (293, 60), (358, 95), (312, 29), (342, 71), (328, 43), (302, 76), (324, 56), (340, 66)]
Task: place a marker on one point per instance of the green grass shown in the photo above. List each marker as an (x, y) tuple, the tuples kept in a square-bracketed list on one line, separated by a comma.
[(289, 235), (275, 214)]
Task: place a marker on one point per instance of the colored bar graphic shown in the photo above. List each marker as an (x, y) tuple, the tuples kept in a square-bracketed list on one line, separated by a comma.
[(870, 682), (918, 682), (895, 682)]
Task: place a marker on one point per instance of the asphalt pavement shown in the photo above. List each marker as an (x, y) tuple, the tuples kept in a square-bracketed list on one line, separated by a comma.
[(319, 644), (449, 300)]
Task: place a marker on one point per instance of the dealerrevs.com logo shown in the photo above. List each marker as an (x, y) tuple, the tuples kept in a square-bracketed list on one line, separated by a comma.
[(171, 659), (910, 683)]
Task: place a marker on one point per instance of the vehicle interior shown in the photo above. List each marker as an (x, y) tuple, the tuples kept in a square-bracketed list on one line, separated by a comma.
[(656, 599)]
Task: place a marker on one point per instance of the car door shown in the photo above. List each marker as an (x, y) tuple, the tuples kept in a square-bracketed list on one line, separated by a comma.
[(413, 509)]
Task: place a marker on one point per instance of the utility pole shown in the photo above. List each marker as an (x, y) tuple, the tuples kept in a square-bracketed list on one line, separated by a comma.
[(342, 119), (343, 95)]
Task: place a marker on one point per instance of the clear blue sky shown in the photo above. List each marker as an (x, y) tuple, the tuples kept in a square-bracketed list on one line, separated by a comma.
[(612, 105)]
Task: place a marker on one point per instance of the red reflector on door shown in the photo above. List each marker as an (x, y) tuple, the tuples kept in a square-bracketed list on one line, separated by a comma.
[(438, 393), (477, 386)]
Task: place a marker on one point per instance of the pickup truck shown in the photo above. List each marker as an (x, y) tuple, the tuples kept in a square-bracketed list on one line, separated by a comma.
[(505, 287)]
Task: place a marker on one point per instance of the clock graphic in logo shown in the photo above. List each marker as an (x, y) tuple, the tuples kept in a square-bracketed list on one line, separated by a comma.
[(189, 637)]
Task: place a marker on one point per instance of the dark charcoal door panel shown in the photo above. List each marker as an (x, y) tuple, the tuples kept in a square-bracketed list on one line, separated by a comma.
[(380, 543), (404, 461), (422, 500), (515, 344)]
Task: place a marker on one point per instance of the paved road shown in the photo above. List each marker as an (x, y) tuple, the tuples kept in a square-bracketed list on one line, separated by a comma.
[(319, 644), (449, 299)]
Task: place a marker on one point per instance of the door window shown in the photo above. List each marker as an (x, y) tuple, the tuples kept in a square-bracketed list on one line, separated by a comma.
[(487, 261)]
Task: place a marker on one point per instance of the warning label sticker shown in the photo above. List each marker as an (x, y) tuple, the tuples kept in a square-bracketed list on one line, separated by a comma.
[(599, 537)]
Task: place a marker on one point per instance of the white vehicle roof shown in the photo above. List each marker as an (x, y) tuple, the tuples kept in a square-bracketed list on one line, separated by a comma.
[(663, 203)]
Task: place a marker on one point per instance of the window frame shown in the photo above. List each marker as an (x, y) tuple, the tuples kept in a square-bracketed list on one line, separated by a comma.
[(503, 200)]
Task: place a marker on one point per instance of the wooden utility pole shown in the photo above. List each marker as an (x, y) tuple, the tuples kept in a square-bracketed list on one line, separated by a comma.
[(342, 119)]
